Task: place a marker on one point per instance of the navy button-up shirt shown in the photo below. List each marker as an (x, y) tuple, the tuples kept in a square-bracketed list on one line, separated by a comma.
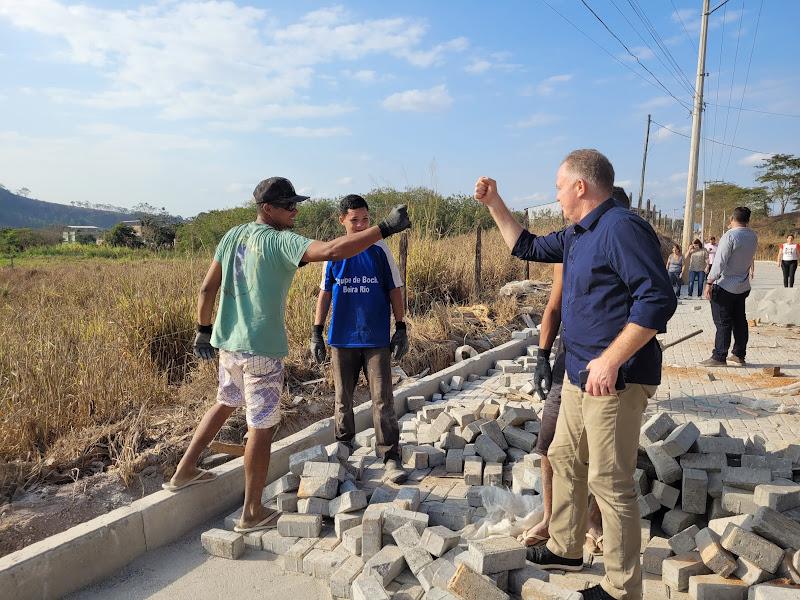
[(613, 275)]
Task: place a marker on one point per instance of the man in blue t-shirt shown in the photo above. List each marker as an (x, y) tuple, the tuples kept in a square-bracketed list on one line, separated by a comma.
[(362, 290)]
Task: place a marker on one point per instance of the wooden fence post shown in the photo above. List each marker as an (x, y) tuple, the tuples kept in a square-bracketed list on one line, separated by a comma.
[(476, 288), (527, 263), (403, 263)]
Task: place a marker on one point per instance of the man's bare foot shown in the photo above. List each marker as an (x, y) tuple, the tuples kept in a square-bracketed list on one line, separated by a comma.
[(594, 540), (251, 519), (184, 479), (536, 535)]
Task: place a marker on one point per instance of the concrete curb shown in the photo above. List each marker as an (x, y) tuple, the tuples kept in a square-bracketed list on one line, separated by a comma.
[(73, 559)]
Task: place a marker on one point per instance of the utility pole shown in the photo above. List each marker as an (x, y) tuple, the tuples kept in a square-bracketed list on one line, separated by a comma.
[(694, 149), (644, 163), (703, 217)]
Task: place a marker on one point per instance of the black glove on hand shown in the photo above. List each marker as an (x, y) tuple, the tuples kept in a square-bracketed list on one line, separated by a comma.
[(202, 343), (399, 344), (317, 345), (395, 222), (543, 375)]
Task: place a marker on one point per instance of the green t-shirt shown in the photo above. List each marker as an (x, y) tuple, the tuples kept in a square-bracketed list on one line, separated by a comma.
[(258, 264)]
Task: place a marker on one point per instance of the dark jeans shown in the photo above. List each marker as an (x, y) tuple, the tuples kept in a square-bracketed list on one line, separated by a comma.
[(376, 363), (789, 267), (700, 278), (675, 280), (727, 311)]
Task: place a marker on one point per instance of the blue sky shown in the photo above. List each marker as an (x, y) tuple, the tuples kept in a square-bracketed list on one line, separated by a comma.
[(189, 105)]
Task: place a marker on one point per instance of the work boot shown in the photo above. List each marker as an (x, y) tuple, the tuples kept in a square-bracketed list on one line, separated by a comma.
[(712, 362), (394, 472), (544, 559)]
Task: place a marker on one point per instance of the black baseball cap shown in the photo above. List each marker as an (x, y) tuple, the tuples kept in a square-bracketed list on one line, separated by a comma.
[(276, 190)]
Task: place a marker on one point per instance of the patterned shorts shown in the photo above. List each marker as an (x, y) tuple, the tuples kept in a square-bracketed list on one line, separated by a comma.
[(253, 382)]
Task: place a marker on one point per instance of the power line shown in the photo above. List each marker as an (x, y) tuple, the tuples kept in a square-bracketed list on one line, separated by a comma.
[(711, 140), (678, 14), (730, 91), (755, 110), (719, 78), (744, 89), (628, 50)]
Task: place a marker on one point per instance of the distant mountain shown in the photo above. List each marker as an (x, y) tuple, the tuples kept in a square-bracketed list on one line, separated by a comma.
[(18, 211)]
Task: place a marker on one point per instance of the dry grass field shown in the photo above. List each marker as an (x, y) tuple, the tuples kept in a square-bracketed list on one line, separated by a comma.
[(96, 371)]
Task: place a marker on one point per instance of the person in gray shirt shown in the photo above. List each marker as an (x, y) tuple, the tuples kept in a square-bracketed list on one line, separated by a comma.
[(728, 286)]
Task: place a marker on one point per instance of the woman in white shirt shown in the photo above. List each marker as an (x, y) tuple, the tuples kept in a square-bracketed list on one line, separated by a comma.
[(787, 260)]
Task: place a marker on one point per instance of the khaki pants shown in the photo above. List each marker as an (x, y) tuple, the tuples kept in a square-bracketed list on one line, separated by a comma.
[(376, 362), (595, 449)]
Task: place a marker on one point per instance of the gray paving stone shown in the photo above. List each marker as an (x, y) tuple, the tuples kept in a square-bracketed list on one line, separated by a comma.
[(759, 551), (665, 494), (223, 543), (684, 541), (694, 491), (681, 439), (776, 527), (714, 556), (493, 555), (655, 553)]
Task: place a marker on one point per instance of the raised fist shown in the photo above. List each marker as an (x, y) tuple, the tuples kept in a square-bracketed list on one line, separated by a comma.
[(486, 191)]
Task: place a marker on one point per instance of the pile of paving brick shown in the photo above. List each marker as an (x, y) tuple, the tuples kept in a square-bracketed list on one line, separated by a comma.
[(728, 511), (344, 522)]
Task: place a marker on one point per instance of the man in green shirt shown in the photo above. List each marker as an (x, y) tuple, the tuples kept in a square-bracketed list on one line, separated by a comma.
[(254, 265)]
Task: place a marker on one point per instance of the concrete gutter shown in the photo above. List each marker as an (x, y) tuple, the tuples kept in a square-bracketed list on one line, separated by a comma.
[(94, 550)]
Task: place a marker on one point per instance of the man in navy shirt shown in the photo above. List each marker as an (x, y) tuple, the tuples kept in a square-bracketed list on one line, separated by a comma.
[(616, 297), (361, 291)]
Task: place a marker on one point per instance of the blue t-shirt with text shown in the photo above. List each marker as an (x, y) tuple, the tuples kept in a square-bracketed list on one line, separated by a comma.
[(360, 307)]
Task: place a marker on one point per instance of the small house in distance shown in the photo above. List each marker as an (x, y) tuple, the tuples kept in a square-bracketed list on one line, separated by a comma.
[(136, 225), (77, 233)]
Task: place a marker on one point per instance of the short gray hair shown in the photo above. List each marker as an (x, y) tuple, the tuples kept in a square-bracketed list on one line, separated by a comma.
[(592, 166)]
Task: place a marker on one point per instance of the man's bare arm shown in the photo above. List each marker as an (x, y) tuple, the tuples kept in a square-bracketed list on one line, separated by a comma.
[(342, 247), (398, 306), (486, 194), (208, 293), (603, 371), (323, 305), (551, 317)]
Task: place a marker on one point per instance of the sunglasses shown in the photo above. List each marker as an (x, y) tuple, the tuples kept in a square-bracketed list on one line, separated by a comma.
[(287, 206)]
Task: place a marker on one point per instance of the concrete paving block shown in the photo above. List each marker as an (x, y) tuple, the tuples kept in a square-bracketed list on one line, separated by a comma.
[(676, 571), (516, 416), (684, 542), (489, 450), (469, 450), (469, 585), (415, 403), (274, 542), (287, 502), (533, 427), (655, 553), (645, 527), (714, 556), (414, 458), (491, 429), (452, 516), (667, 468), (406, 591), (368, 588), (372, 532), (710, 428), (508, 366), (324, 565), (655, 429), (344, 521), (382, 495), (707, 444), (715, 587), (293, 559), (535, 589), (519, 438), (454, 463), (676, 520), (288, 483), (406, 536), (518, 577), (313, 506), (352, 540), (318, 487), (386, 564), (473, 470), (436, 456), (737, 500), (304, 526), (716, 510), (408, 498), (750, 573), (759, 551), (665, 494), (348, 485), (493, 474), (694, 491), (706, 462), (355, 466), (681, 439), (364, 439), (417, 558), (718, 526), (232, 520), (425, 576), (777, 497), (776, 527), (438, 540), (394, 517), (472, 431), (313, 454), (773, 591), (342, 578), (490, 412), (443, 573), (347, 502), (746, 478), (496, 554), (715, 484), (641, 483), (222, 543), (648, 505), (444, 387), (329, 469)]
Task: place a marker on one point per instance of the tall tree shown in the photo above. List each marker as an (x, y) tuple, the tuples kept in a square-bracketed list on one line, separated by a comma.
[(781, 174), (24, 192)]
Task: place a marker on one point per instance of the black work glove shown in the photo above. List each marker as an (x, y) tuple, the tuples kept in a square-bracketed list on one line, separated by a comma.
[(317, 345), (395, 222), (202, 343), (399, 344), (543, 374)]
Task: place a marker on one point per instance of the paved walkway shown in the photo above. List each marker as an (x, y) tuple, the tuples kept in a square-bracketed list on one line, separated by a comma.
[(737, 396)]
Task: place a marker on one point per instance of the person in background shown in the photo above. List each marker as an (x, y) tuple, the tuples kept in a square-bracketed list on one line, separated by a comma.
[(362, 290), (253, 267), (711, 248), (697, 259), (675, 268), (787, 260), (728, 286)]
